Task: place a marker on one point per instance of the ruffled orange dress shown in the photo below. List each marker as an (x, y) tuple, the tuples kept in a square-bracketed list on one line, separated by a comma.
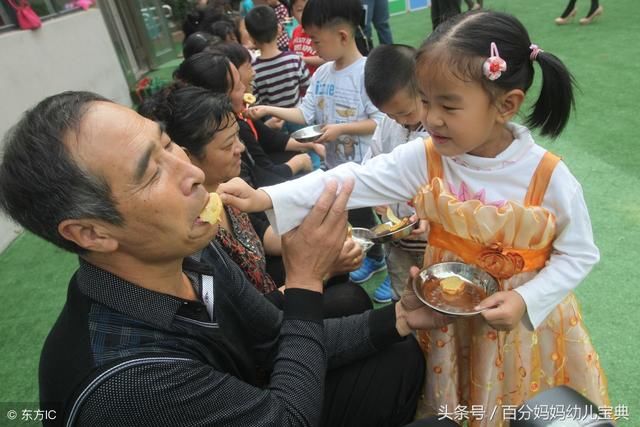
[(474, 372)]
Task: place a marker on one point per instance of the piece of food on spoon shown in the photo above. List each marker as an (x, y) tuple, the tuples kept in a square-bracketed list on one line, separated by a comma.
[(213, 210)]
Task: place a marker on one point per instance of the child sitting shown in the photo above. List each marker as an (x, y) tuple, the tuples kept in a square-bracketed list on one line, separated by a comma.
[(279, 76)]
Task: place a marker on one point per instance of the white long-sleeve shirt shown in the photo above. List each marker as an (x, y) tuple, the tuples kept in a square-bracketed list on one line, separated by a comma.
[(397, 176)]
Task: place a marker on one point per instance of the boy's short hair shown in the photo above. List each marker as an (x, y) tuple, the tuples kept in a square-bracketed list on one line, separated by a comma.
[(262, 24), (323, 13), (389, 68)]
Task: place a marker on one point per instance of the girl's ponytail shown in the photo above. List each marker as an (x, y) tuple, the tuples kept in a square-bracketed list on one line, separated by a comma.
[(551, 111)]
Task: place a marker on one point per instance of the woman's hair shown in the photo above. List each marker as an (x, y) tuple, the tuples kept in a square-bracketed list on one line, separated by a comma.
[(198, 42), (235, 52), (192, 115), (462, 44), (223, 29), (209, 70)]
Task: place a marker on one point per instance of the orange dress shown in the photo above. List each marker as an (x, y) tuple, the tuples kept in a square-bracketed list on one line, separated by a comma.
[(474, 372)]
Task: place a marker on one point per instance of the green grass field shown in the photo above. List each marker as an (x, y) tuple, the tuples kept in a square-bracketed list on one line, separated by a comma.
[(598, 146)]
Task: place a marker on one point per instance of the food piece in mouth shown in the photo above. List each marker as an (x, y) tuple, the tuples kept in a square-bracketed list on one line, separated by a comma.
[(249, 98), (452, 286), (213, 210)]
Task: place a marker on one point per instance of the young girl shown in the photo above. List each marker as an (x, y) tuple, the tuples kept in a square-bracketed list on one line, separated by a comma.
[(493, 198)]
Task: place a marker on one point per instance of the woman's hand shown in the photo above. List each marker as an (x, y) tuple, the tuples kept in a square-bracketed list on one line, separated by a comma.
[(275, 123), (504, 310), (300, 163), (350, 258), (412, 314), (319, 149), (237, 193)]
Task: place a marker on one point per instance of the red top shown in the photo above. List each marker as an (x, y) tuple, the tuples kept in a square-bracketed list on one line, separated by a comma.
[(301, 44)]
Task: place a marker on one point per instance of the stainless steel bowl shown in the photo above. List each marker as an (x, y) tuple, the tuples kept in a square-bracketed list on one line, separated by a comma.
[(474, 275), (384, 237), (308, 134), (362, 236)]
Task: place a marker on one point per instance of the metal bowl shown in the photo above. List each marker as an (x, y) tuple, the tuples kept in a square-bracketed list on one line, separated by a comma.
[(388, 236), (472, 274), (362, 236), (308, 134)]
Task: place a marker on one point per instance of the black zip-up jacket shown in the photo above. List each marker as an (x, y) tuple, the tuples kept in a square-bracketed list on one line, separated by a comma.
[(123, 355)]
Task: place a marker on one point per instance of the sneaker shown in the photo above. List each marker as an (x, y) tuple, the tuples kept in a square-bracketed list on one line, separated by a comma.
[(369, 267), (383, 294)]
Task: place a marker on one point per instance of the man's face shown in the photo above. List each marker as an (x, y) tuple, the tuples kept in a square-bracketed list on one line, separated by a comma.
[(156, 189)]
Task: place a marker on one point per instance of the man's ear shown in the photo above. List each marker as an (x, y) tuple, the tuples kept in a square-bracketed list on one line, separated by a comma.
[(88, 234), (509, 104)]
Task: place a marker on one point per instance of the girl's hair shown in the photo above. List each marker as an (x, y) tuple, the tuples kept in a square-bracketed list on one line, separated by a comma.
[(462, 44), (235, 52), (209, 70), (192, 115)]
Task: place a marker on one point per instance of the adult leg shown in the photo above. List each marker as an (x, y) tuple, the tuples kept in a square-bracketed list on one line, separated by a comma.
[(344, 298), (370, 6), (381, 390), (567, 10), (380, 20)]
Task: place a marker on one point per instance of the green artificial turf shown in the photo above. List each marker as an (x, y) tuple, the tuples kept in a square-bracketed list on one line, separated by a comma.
[(598, 146)]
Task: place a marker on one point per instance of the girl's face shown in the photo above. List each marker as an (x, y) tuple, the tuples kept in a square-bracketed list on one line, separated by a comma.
[(459, 115), (245, 38), (246, 74), (296, 9), (221, 160), (237, 91)]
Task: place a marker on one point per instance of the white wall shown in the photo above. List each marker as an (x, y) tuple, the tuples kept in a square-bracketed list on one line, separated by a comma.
[(72, 52)]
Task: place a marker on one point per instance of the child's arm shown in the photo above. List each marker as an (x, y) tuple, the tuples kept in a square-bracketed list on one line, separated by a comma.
[(388, 178), (293, 115), (332, 132), (574, 255)]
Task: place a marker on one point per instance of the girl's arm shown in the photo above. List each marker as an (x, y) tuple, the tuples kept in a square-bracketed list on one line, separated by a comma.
[(389, 178), (574, 255)]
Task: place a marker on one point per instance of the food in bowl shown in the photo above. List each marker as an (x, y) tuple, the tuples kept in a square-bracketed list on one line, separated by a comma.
[(453, 294)]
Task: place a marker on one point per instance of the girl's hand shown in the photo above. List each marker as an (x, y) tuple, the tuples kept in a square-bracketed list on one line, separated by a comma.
[(237, 193), (330, 133), (381, 210), (504, 310)]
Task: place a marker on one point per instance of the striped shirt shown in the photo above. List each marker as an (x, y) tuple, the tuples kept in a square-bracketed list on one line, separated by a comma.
[(278, 80)]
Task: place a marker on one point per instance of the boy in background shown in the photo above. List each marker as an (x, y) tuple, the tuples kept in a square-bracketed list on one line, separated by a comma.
[(389, 78), (280, 77), (337, 99), (301, 43), (283, 19)]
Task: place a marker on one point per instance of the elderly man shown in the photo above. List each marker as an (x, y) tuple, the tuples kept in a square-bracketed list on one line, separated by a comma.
[(149, 334)]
